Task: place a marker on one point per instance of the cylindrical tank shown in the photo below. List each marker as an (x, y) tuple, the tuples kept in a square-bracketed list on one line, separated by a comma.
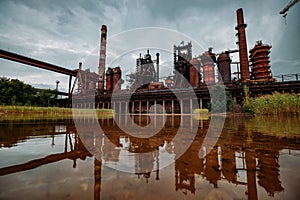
[(194, 73), (243, 52), (208, 59), (109, 79), (117, 73), (224, 68), (259, 57)]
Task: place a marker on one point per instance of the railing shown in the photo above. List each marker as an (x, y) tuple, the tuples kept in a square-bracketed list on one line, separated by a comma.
[(287, 77)]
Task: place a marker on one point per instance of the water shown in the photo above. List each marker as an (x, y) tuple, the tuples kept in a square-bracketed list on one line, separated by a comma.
[(252, 158)]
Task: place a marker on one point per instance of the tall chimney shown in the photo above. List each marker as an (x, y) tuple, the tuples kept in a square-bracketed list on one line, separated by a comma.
[(157, 67), (243, 52), (101, 67)]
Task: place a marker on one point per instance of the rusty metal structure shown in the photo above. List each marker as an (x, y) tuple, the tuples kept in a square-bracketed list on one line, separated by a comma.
[(101, 67), (195, 72), (224, 68), (190, 73), (145, 72), (242, 42), (208, 60), (259, 57), (182, 56)]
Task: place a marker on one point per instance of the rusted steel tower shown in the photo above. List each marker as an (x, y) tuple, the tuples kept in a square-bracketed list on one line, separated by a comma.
[(224, 67), (244, 65), (194, 73), (208, 60), (259, 57), (101, 67)]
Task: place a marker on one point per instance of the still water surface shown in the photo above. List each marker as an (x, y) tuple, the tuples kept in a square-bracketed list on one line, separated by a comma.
[(253, 158)]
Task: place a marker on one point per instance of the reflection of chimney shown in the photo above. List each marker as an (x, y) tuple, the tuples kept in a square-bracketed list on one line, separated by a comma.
[(244, 65), (101, 68)]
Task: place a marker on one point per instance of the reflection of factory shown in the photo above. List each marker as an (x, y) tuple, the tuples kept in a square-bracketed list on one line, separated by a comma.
[(232, 157), (197, 73)]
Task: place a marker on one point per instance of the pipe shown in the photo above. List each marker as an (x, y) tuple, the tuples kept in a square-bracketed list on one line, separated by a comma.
[(244, 63)]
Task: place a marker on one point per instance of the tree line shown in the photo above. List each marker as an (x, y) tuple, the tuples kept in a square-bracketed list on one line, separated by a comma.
[(15, 92)]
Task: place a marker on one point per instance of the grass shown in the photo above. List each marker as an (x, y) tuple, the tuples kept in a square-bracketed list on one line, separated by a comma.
[(20, 112), (274, 104)]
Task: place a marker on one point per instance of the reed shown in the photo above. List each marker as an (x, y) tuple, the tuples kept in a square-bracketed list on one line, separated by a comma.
[(274, 104), (52, 111)]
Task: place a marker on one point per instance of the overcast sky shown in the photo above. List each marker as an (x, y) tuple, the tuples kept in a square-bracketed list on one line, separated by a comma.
[(67, 32)]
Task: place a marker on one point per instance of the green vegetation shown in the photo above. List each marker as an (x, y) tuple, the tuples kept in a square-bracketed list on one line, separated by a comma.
[(15, 92), (274, 104), (218, 103), (29, 112)]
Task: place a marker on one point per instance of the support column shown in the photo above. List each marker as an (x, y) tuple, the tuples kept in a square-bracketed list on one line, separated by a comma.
[(132, 107), (164, 104), (140, 106), (191, 105), (181, 106), (120, 106), (155, 106), (147, 106), (201, 103), (172, 106)]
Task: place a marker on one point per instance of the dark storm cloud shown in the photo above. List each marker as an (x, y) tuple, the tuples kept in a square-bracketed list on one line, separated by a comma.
[(66, 32)]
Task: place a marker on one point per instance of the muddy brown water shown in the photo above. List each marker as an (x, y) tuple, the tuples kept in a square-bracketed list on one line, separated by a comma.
[(250, 158)]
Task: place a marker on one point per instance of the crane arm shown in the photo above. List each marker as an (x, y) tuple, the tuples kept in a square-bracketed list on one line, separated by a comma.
[(291, 3)]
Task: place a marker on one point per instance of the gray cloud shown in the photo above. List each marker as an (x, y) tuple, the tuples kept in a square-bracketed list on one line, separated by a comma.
[(66, 32)]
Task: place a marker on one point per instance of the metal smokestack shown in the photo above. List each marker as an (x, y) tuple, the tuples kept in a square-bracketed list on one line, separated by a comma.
[(243, 52), (101, 67), (157, 67)]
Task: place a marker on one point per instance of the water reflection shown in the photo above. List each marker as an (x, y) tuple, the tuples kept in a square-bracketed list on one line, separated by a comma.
[(244, 163)]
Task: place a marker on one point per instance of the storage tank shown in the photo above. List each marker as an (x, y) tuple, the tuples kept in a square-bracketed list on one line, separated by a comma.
[(259, 57), (194, 73), (117, 73), (224, 67), (109, 79), (208, 59)]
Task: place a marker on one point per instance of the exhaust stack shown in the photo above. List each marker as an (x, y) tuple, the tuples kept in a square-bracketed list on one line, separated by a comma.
[(243, 52), (101, 67)]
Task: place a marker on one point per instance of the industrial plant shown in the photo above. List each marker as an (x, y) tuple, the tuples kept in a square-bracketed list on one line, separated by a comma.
[(190, 73)]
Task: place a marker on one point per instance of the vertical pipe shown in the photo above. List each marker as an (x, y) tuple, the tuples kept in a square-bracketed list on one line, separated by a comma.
[(243, 52), (101, 67)]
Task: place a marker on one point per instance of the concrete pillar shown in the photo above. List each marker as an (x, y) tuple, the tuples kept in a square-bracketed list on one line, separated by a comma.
[(120, 106), (172, 106), (201, 103), (181, 106), (164, 104), (155, 107), (147, 106), (191, 105), (132, 107), (140, 107)]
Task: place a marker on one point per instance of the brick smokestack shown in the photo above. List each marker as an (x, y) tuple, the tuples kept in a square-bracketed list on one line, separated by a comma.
[(243, 52), (101, 67)]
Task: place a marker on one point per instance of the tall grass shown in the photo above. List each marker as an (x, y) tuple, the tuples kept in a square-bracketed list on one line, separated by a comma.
[(15, 111), (274, 104)]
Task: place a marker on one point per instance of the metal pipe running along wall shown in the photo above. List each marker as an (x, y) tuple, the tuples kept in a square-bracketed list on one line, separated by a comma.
[(243, 52)]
